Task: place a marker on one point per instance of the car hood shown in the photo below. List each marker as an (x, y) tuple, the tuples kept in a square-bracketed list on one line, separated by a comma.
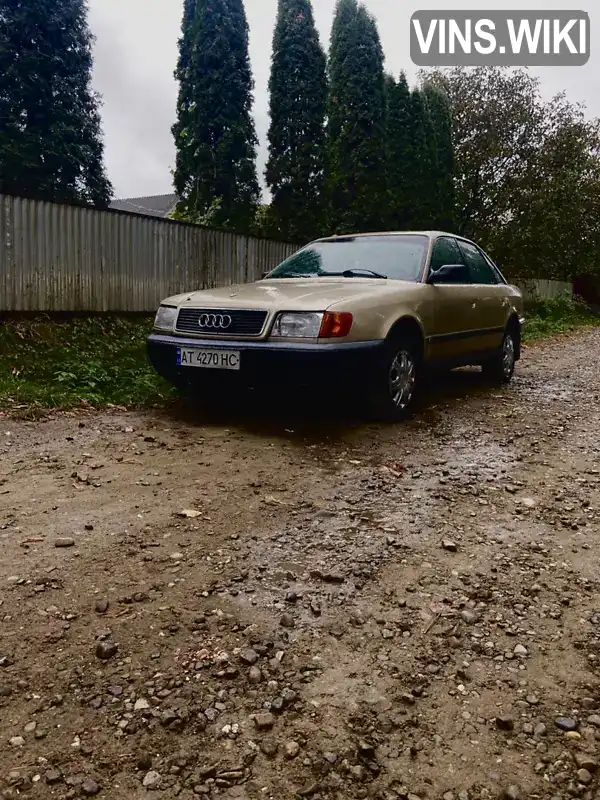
[(307, 294)]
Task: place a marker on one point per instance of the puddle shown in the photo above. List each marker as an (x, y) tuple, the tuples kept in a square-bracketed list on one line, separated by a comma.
[(288, 570), (481, 459), (550, 392)]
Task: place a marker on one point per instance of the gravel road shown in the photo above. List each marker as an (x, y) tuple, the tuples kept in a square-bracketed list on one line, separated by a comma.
[(262, 607)]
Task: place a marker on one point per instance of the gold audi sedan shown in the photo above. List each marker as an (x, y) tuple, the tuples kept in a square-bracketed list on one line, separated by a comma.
[(365, 313)]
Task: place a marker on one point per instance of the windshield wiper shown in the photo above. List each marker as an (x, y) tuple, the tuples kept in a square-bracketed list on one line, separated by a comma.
[(296, 275), (347, 273), (355, 273)]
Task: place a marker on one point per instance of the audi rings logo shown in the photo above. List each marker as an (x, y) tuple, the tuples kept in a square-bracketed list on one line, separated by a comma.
[(215, 321)]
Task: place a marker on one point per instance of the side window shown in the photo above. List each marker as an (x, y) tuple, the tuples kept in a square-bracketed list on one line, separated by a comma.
[(479, 269), (445, 251), (499, 276)]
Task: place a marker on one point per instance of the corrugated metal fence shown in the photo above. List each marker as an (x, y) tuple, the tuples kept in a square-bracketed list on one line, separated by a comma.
[(64, 258), (544, 290)]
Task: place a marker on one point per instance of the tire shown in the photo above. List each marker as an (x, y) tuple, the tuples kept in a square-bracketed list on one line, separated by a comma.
[(397, 382), (501, 368)]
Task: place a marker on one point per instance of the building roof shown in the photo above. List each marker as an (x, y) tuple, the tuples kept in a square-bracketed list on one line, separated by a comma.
[(160, 205)]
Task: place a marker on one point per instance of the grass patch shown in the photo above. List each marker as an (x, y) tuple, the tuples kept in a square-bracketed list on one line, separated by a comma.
[(89, 361), (549, 317)]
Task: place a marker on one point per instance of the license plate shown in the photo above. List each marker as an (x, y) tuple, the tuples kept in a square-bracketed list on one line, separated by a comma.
[(208, 359)]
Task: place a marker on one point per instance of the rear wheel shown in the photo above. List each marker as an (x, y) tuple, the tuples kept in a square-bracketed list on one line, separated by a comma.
[(397, 381), (501, 368)]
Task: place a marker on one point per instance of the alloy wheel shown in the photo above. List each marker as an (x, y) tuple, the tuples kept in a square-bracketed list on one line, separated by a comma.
[(402, 379), (508, 355)]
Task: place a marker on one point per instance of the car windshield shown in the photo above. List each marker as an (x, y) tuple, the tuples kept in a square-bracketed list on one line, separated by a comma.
[(397, 257)]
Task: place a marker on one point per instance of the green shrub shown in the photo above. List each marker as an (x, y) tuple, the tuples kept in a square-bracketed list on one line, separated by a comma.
[(549, 316)]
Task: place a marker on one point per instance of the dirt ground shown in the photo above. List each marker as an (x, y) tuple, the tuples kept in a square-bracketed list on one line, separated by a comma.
[(263, 607)]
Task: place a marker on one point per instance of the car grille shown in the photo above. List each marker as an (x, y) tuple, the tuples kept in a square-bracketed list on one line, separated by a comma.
[(221, 321)]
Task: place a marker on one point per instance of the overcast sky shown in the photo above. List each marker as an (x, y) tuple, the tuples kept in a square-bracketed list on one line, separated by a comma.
[(136, 54)]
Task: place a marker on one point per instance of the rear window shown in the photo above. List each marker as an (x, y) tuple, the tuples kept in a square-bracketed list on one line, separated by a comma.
[(399, 257)]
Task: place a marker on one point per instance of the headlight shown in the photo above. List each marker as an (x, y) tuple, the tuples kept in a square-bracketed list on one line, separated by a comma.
[(298, 326), (165, 318)]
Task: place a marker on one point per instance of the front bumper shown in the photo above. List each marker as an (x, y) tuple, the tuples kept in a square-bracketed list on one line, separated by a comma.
[(269, 363)]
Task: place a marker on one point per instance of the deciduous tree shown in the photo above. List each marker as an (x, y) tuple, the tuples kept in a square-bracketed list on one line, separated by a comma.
[(527, 173), (498, 123)]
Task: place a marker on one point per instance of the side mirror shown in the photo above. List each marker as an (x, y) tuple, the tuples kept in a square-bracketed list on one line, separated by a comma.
[(449, 273)]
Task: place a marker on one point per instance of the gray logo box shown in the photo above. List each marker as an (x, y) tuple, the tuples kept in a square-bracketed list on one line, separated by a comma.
[(500, 38)]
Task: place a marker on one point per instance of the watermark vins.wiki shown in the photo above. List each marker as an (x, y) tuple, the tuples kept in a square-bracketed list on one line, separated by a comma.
[(499, 38)]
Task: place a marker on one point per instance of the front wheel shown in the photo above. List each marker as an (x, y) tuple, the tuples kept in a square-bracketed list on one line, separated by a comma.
[(501, 368), (397, 382)]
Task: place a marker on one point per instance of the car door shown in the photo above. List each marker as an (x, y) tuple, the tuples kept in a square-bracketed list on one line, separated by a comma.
[(491, 304), (453, 305)]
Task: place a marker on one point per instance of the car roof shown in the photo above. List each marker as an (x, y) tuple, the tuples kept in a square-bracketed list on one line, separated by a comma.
[(429, 234)]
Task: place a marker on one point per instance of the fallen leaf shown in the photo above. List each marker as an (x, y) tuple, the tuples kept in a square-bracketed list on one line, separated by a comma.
[(273, 501), (389, 471), (528, 502), (189, 513)]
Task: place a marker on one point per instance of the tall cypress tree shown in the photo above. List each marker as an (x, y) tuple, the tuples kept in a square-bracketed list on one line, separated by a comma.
[(298, 98), (389, 83), (420, 165), (430, 167), (215, 171), (399, 153), (440, 111), (185, 102), (50, 135), (356, 179)]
